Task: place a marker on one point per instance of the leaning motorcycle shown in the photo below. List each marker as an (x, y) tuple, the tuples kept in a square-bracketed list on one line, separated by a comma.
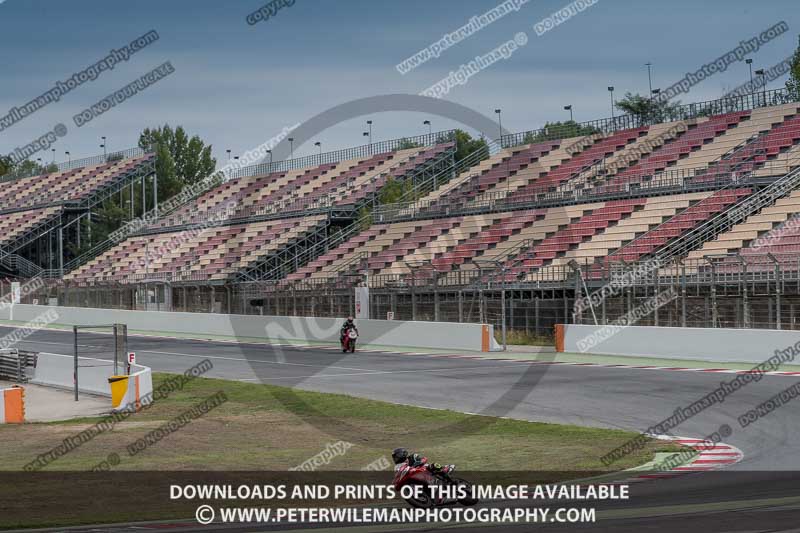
[(406, 474)]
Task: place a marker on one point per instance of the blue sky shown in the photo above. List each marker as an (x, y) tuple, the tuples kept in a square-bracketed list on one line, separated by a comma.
[(237, 85)]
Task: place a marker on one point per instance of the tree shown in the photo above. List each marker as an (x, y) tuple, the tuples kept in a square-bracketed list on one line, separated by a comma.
[(406, 144), (647, 109), (6, 165), (24, 169), (181, 160), (793, 83), (558, 130), (465, 144)]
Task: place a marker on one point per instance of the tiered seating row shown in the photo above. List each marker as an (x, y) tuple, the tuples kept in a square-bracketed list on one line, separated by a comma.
[(69, 185), (214, 253), (676, 226), (16, 224), (751, 231), (332, 183), (552, 236), (705, 132), (593, 154)]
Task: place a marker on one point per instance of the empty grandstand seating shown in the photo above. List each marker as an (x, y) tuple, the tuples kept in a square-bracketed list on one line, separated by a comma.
[(593, 154), (27, 203), (626, 223), (688, 218), (211, 254), (754, 229), (17, 223), (697, 136), (524, 241), (341, 183), (67, 185)]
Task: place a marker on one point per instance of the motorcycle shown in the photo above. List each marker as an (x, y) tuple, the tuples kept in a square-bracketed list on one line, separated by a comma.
[(406, 474), (349, 341)]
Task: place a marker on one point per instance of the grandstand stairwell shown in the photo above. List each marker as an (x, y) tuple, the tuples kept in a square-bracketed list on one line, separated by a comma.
[(308, 247), (62, 214), (729, 218)]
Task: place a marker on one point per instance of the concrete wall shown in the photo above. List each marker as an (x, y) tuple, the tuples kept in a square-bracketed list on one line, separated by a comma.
[(705, 344), (57, 370), (140, 388), (436, 335)]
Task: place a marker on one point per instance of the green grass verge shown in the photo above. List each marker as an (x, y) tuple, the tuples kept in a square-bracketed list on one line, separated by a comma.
[(294, 425), (271, 428)]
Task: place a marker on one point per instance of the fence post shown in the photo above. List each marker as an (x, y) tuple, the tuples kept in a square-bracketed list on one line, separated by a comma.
[(683, 293), (778, 280), (75, 363), (435, 298)]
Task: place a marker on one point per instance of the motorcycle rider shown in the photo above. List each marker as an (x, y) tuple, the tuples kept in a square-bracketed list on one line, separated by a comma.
[(346, 327), (401, 455)]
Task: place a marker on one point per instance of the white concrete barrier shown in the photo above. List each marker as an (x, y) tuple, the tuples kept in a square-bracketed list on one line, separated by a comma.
[(704, 344), (56, 370), (140, 388), (393, 333)]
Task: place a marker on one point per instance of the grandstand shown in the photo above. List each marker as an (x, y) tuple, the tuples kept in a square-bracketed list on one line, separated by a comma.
[(539, 213), (42, 215)]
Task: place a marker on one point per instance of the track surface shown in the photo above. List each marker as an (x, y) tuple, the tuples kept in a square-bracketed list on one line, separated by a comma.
[(592, 396)]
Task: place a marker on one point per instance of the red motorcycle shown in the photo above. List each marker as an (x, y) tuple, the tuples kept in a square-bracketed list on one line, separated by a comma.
[(421, 475), (349, 341)]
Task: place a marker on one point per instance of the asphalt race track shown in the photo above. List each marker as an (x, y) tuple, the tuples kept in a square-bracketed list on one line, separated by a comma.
[(591, 396)]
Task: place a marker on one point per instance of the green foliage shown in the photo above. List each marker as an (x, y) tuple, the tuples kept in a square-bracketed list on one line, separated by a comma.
[(793, 83), (181, 160), (406, 144), (559, 130), (24, 169), (647, 109), (6, 165), (465, 144)]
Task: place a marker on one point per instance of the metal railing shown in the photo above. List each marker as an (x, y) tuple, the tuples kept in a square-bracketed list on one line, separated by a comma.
[(302, 257), (732, 216), (745, 290), (14, 363), (19, 264), (720, 106), (71, 164), (670, 182), (366, 150)]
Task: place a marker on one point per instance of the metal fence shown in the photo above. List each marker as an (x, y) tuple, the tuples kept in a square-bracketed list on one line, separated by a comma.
[(94, 160), (732, 291), (473, 199), (366, 150), (727, 104)]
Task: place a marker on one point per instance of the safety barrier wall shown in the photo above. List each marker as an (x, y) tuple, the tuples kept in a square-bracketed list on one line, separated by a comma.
[(392, 333), (12, 405), (140, 388), (56, 370), (705, 344)]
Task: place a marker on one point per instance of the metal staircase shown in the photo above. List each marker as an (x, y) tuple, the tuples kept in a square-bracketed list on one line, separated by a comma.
[(735, 214), (303, 250)]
